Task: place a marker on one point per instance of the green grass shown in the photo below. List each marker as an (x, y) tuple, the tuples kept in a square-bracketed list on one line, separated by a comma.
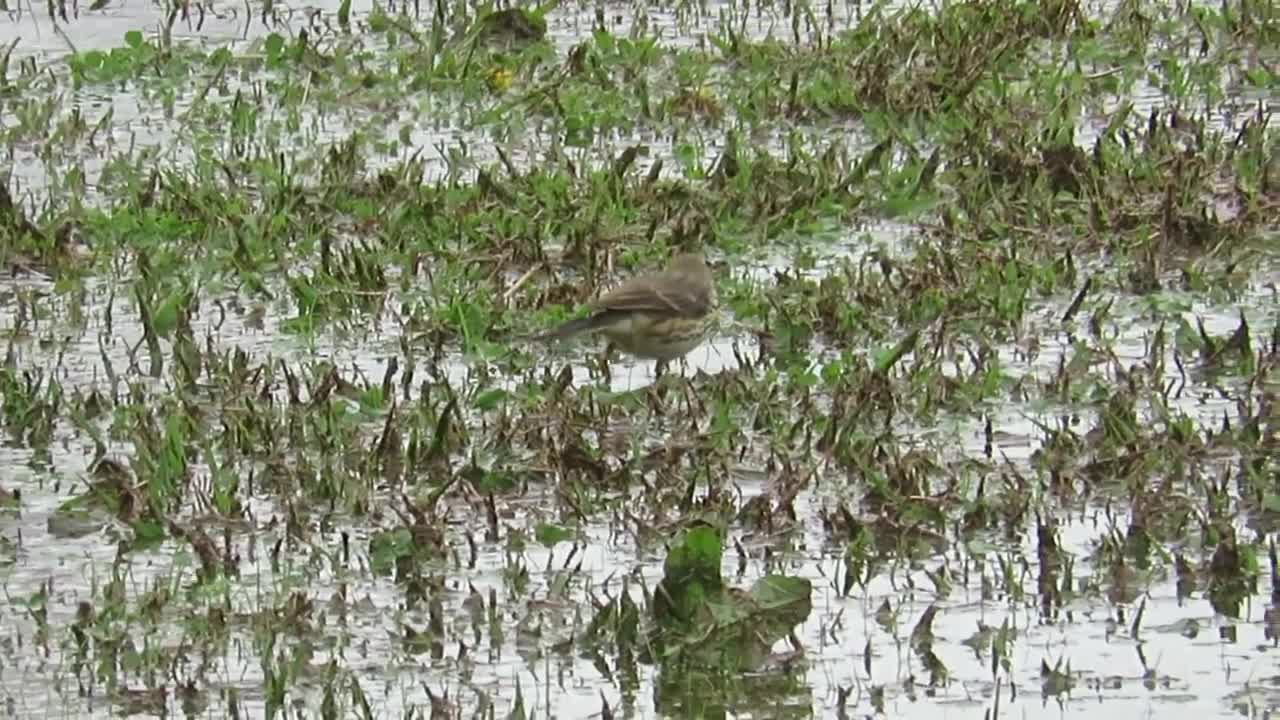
[(279, 443)]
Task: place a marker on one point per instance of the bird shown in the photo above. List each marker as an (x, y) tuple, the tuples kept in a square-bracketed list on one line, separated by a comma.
[(660, 317)]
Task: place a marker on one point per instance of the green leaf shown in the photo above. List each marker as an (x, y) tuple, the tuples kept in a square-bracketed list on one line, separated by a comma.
[(777, 591), (1271, 502), (490, 399), (165, 317), (274, 45), (497, 482), (133, 38), (909, 205), (604, 41), (147, 533), (386, 548), (548, 535)]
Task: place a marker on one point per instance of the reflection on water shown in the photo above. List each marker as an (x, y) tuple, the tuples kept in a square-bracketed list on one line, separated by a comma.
[(1189, 674), (1191, 663)]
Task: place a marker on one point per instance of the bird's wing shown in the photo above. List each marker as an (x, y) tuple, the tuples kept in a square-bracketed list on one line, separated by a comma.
[(662, 293)]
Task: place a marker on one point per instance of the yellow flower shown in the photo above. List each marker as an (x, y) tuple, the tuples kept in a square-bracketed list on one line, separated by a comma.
[(500, 79)]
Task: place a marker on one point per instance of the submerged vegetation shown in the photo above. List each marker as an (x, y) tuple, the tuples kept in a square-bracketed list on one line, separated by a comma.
[(993, 383)]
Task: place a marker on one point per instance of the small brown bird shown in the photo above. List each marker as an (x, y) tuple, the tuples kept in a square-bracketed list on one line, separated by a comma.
[(659, 317)]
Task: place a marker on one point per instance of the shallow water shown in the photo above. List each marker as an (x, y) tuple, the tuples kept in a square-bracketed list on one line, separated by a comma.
[(136, 128), (1219, 672), (1187, 661)]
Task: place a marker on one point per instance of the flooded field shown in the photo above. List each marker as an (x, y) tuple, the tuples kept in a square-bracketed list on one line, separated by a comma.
[(986, 423)]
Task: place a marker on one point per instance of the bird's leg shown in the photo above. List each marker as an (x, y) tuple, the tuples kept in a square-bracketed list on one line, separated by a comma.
[(659, 389), (656, 397), (641, 438), (683, 374), (690, 398), (604, 364)]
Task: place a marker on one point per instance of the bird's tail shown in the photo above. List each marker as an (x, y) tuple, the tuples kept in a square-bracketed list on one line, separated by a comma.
[(573, 327)]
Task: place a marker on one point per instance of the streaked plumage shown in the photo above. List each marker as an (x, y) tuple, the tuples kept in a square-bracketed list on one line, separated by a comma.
[(660, 317)]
